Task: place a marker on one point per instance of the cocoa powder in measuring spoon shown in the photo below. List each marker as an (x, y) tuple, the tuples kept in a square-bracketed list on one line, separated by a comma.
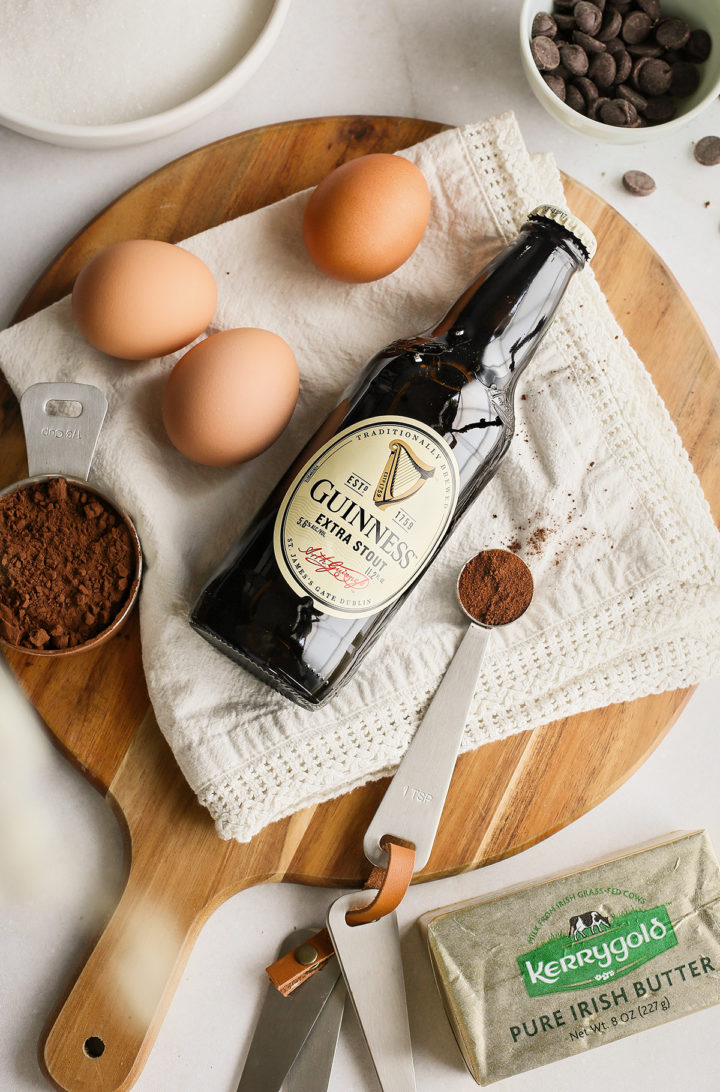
[(67, 565), (495, 587)]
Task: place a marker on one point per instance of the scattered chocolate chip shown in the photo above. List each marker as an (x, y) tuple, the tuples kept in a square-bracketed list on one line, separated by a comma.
[(602, 70), (618, 112), (655, 77), (545, 53), (638, 183), (588, 17), (650, 7), (672, 33), (544, 25), (635, 27), (707, 151)]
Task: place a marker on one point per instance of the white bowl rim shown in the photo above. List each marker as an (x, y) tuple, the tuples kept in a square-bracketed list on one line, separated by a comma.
[(581, 123), (167, 121)]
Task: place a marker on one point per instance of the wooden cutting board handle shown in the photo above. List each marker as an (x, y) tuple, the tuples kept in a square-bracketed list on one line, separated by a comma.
[(179, 872)]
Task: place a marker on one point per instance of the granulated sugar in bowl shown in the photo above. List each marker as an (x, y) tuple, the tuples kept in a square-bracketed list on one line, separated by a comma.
[(117, 72)]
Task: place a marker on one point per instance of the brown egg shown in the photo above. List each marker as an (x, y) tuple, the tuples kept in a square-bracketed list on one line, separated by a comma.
[(230, 396), (366, 217), (143, 298)]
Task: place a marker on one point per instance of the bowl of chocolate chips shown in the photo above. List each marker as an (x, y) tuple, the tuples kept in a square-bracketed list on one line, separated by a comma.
[(622, 71)]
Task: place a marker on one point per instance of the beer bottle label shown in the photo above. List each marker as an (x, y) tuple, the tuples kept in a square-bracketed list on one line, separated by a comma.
[(365, 514)]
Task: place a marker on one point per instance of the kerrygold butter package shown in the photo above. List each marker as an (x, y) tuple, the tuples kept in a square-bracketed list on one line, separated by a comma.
[(537, 974)]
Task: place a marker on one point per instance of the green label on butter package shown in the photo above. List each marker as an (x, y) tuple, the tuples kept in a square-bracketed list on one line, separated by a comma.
[(596, 949)]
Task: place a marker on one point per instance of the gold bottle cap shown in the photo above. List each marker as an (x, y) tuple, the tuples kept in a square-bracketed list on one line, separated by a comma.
[(571, 223)]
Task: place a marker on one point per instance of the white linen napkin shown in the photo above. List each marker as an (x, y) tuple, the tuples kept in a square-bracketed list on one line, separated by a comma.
[(596, 494)]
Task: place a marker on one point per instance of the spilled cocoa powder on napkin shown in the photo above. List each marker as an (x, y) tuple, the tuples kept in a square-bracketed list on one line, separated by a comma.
[(67, 565)]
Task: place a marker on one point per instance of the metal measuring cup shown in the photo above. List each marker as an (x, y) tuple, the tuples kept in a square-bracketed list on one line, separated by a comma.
[(62, 423), (414, 799)]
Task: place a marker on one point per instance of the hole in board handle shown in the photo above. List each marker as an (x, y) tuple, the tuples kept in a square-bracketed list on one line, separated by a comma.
[(63, 407), (93, 1046)]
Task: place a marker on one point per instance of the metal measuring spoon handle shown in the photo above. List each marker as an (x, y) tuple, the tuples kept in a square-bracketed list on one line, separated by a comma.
[(412, 805), (414, 800)]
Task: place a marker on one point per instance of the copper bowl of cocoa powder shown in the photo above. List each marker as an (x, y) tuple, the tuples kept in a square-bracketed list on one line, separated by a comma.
[(70, 566)]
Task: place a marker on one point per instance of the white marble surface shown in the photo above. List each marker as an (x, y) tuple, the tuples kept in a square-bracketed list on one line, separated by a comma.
[(454, 63)]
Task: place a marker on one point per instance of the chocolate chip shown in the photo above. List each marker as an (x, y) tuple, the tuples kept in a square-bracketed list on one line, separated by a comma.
[(610, 27), (574, 58), (575, 99), (618, 112), (685, 79), (587, 89), (638, 183), (590, 45), (545, 53), (623, 65), (623, 91), (645, 49), (595, 107), (650, 7), (636, 27), (662, 108), (564, 22), (637, 70), (544, 25), (672, 33), (707, 151), (615, 45), (655, 77), (588, 17), (556, 84), (698, 46), (602, 70)]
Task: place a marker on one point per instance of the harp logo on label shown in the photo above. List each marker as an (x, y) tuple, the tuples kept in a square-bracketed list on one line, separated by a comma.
[(352, 546)]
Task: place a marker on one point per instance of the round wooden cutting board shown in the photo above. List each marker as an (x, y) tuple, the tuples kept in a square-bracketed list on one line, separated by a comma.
[(504, 797)]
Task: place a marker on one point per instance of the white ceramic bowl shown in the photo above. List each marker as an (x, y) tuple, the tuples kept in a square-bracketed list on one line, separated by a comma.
[(170, 120), (703, 14)]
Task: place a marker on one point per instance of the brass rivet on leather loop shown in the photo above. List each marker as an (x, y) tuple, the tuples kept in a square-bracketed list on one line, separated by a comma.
[(306, 954)]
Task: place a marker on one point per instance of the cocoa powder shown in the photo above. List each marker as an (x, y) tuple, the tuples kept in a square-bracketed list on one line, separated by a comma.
[(495, 587), (67, 565)]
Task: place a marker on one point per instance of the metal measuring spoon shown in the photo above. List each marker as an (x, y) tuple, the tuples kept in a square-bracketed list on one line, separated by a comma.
[(413, 802), (62, 423)]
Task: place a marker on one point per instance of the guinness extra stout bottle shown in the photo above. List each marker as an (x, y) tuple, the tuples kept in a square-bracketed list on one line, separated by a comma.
[(349, 531)]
